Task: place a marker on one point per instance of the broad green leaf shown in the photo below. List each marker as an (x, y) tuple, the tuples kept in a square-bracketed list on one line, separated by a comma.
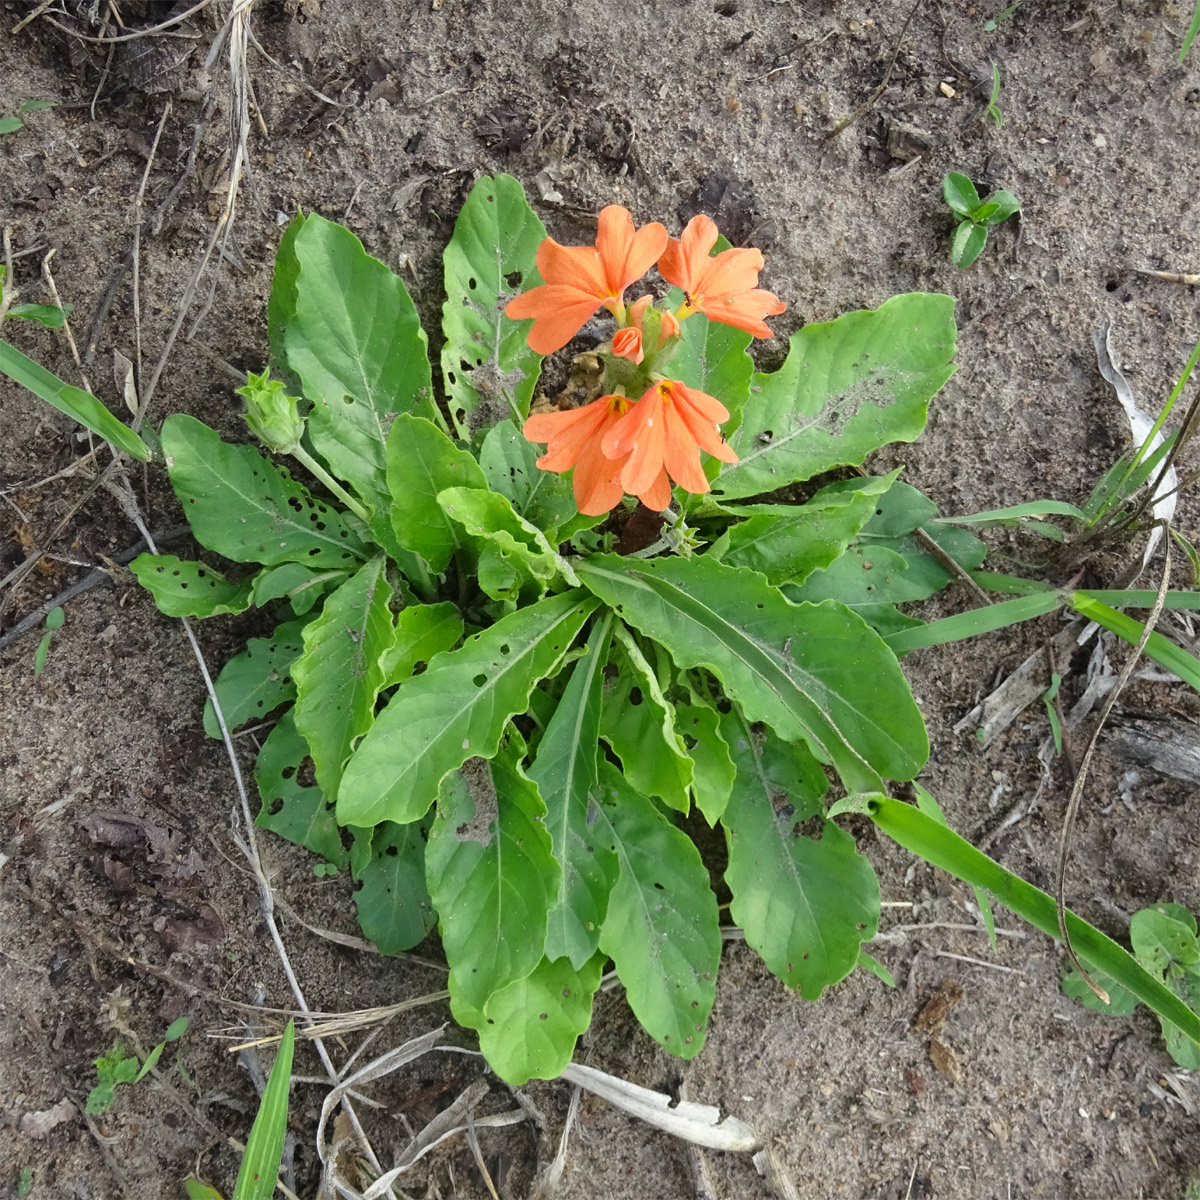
[(296, 811), (639, 724), (565, 771), (339, 676), (264, 1147), (712, 358), (786, 542), (11, 125), (356, 343), (846, 388), (661, 930), (301, 586), (394, 908), (421, 462), (422, 630), (533, 1024), (967, 246), (281, 306), (1160, 939), (960, 193), (75, 402), (1001, 205), (492, 876), (48, 315), (806, 904), (182, 588), (243, 506), (1121, 1003), (713, 769), (256, 682), (456, 709), (487, 365), (543, 498), (197, 1189), (809, 671)]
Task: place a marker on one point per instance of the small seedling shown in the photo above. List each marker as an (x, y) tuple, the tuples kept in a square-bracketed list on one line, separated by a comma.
[(12, 124), (1190, 36), (54, 620), (993, 109), (25, 1182), (993, 23), (975, 216), (114, 1068)]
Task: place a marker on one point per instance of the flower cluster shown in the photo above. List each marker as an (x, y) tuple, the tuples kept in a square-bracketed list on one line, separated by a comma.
[(617, 445)]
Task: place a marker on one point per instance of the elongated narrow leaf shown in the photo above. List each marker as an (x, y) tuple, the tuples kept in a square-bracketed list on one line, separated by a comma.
[(421, 462), (487, 365), (533, 1024), (264, 1147), (422, 630), (1014, 513), (182, 588), (809, 671), (973, 623), (937, 844), (243, 506), (713, 769), (661, 930), (565, 772), (293, 809), (639, 724), (492, 876), (543, 498), (339, 675), (281, 306), (394, 908), (806, 905), (846, 388), (457, 709), (256, 682), (75, 402), (356, 343), (1166, 653)]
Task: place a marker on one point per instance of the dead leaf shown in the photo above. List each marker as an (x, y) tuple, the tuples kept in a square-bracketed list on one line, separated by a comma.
[(39, 1124), (945, 1060), (204, 929), (932, 1016), (123, 378)]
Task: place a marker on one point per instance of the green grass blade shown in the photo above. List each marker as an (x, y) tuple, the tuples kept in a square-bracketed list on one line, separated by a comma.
[(264, 1150), (939, 845), (1034, 508), (1165, 653), (1141, 597), (973, 623)]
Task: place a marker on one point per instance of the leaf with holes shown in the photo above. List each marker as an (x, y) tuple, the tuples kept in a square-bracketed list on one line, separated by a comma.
[(565, 773), (394, 908), (301, 586), (294, 810), (487, 366), (422, 630), (846, 388), (492, 876), (816, 672), (456, 709), (256, 682), (532, 1025), (713, 769), (182, 588), (339, 676), (639, 724), (243, 506), (661, 930), (356, 343), (421, 462), (805, 905), (543, 498)]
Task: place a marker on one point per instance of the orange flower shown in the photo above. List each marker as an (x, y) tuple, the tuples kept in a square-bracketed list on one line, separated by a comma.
[(579, 279), (575, 437), (724, 288), (627, 344), (667, 428)]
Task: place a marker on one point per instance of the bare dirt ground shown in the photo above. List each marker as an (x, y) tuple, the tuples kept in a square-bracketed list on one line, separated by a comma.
[(110, 926)]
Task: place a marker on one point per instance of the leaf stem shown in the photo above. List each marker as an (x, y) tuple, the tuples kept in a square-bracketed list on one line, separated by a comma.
[(303, 456)]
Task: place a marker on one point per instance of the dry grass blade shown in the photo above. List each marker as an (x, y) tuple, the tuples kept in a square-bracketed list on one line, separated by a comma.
[(340, 1024), (547, 1185)]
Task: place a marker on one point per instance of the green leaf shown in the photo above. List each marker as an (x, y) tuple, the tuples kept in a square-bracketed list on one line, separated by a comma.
[(101, 1097), (295, 811), (39, 655), (182, 588), (543, 498), (79, 405), (661, 929), (639, 724), (421, 462), (1160, 939), (56, 618), (492, 876), (565, 771), (960, 193), (846, 388), (869, 963), (264, 1147), (394, 908), (456, 709), (1121, 1003), (487, 365), (1190, 36), (243, 506), (809, 671), (968, 244), (806, 905), (533, 1024), (1013, 514), (422, 630), (36, 105), (48, 315), (713, 769), (1000, 206), (256, 682), (11, 125), (281, 307), (339, 676), (302, 587), (1166, 653), (197, 1189)]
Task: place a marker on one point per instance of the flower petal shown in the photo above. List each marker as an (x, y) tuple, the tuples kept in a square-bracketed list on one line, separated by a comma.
[(658, 495), (627, 344), (706, 434), (597, 482), (684, 261), (626, 255), (559, 311), (681, 454), (641, 430), (572, 266), (568, 433)]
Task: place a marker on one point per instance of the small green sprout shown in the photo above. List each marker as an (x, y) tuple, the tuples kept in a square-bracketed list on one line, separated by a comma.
[(975, 216), (12, 124), (990, 25), (993, 109), (54, 620), (1190, 36), (25, 1182), (114, 1068)]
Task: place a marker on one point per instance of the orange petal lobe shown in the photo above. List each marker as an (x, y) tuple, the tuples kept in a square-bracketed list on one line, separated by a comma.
[(559, 313), (658, 495), (681, 455)]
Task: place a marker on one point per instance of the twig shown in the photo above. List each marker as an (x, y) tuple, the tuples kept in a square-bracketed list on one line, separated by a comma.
[(127, 37), (979, 962), (66, 325)]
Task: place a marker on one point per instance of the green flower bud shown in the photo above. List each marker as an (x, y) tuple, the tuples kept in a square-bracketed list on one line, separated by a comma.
[(273, 416)]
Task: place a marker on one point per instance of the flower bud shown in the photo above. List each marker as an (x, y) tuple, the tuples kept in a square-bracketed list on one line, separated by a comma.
[(273, 416)]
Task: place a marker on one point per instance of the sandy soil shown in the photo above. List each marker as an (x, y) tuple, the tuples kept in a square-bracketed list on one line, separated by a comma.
[(663, 107)]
